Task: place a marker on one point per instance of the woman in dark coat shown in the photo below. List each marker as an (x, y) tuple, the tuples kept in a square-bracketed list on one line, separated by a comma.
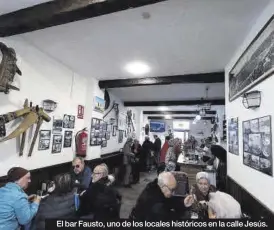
[(100, 199), (220, 165), (136, 149), (59, 204)]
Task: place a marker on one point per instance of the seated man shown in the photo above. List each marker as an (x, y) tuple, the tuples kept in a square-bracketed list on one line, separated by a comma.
[(100, 199), (81, 174), (156, 202)]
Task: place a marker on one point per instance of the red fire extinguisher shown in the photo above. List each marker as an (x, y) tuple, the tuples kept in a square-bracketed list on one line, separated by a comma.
[(81, 139)]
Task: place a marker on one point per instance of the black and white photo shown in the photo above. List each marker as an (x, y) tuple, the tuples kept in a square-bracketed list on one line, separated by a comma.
[(233, 136), (67, 139), (257, 144), (104, 143), (68, 121), (57, 143), (255, 64), (96, 132), (57, 125), (107, 135), (121, 136), (44, 139), (114, 130)]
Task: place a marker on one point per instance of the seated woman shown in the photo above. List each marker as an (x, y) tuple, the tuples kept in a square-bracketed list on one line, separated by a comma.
[(100, 199), (203, 187), (223, 206), (200, 192), (59, 204)]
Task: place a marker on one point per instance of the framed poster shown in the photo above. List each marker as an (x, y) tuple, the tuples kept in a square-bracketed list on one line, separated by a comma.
[(57, 143), (233, 136), (67, 139), (99, 104), (44, 139), (255, 64), (68, 121), (257, 146)]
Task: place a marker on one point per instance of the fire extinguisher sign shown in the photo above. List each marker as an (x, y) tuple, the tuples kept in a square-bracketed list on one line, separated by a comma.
[(80, 114)]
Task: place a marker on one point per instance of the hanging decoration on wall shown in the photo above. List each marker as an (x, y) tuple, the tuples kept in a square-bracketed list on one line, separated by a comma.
[(8, 69), (67, 139), (32, 115), (2, 127), (120, 137), (96, 132), (233, 136), (57, 125), (130, 121), (57, 144), (255, 64), (104, 144), (49, 105), (114, 130), (107, 99), (257, 144), (68, 121), (99, 104), (44, 139), (80, 113)]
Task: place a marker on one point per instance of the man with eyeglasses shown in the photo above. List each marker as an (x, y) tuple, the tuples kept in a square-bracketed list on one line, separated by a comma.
[(81, 174), (156, 202)]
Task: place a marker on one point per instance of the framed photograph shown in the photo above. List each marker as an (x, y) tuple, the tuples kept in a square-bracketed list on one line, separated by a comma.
[(258, 144), (99, 104), (44, 139), (104, 144), (255, 64), (233, 136), (68, 121), (67, 139), (120, 137), (57, 143), (96, 132), (114, 130), (108, 135), (57, 125)]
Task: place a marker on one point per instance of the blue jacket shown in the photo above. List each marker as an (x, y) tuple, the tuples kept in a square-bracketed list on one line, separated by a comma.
[(84, 178), (15, 209)]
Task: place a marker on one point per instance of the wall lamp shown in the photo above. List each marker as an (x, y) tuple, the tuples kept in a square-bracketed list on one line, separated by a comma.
[(252, 99)]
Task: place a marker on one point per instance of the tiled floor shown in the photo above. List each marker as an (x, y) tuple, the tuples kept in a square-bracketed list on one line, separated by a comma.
[(130, 195)]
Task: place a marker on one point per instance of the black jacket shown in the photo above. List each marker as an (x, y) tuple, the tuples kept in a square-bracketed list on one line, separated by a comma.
[(157, 145), (101, 200), (54, 206), (152, 205)]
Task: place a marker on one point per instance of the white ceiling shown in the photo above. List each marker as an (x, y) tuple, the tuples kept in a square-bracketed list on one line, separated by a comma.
[(181, 36), (169, 92), (7, 6)]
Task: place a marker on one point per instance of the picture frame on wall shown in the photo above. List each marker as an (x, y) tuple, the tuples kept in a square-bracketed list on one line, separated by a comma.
[(255, 64), (257, 144), (44, 139), (233, 136), (114, 130), (57, 143), (120, 137)]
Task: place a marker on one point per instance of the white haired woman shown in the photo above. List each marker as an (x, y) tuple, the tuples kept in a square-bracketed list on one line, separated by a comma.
[(223, 206)]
